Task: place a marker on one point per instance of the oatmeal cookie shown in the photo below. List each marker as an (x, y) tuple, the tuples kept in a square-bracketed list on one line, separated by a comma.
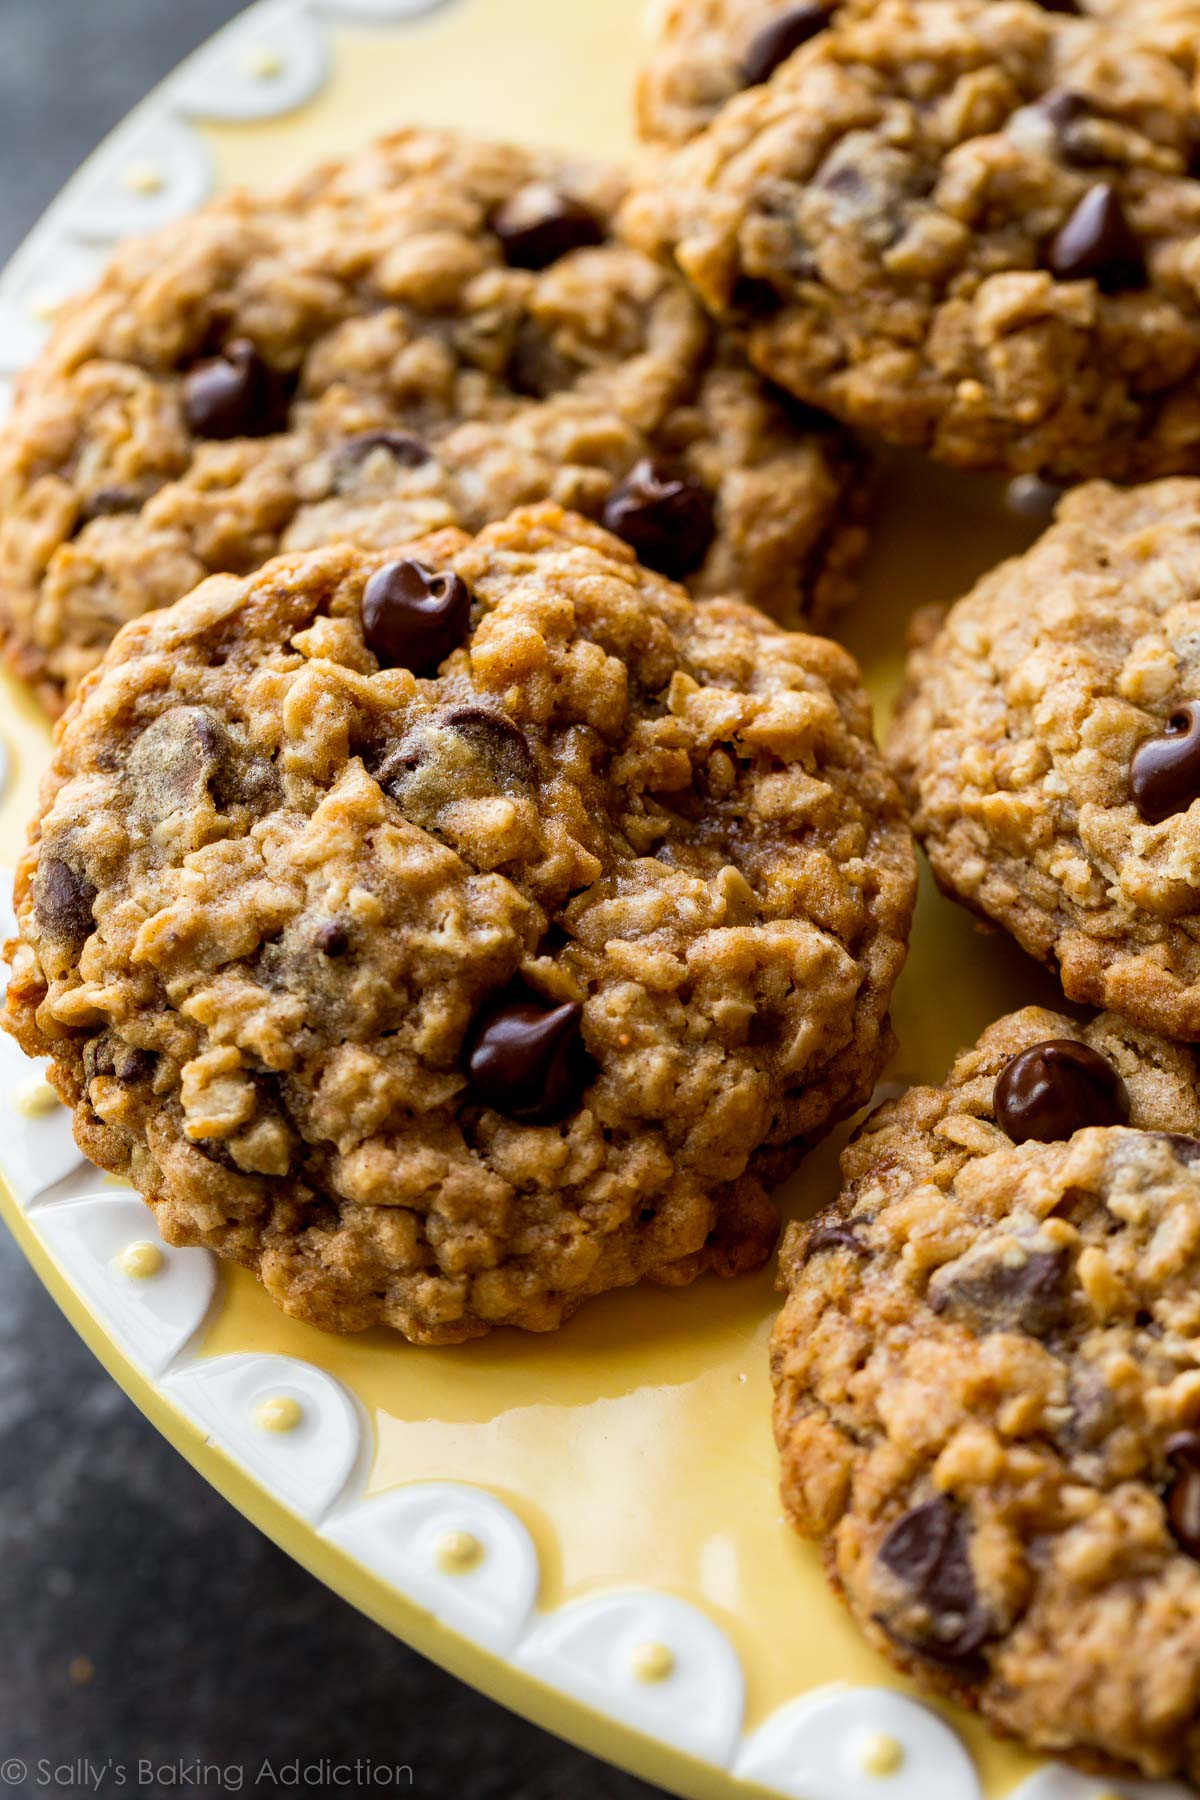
[(430, 334), (972, 226), (1049, 747), (454, 933), (988, 1388)]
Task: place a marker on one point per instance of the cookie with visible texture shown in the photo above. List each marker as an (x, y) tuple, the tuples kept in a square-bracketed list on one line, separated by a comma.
[(455, 933), (988, 1388), (1048, 743), (705, 51), (972, 226), (430, 334)]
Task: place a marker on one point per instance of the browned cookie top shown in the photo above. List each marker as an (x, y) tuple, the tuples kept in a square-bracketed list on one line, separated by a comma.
[(429, 334), (454, 934), (988, 1387), (970, 225), (1049, 746)]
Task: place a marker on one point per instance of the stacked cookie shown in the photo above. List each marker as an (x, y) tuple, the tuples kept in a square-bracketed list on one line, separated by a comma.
[(465, 884)]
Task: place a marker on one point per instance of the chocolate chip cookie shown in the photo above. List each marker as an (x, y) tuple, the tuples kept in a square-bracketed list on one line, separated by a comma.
[(1049, 747), (988, 1388), (428, 335), (972, 226), (456, 932)]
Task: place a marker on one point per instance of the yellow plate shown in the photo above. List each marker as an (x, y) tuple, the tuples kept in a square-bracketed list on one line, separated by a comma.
[(620, 1476)]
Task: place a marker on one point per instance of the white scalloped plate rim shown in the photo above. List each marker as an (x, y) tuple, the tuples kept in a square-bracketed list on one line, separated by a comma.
[(576, 1670)]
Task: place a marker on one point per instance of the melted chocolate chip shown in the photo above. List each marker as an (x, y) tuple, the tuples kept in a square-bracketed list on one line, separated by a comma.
[(667, 517), (823, 1237), (500, 743), (405, 451), (413, 617), (1029, 1296), (927, 1549), (777, 40), (235, 394), (108, 1055), (332, 938), (526, 1059), (539, 224), (176, 761), (63, 901), (1164, 775), (1055, 1089), (1182, 1498), (1185, 1149), (1098, 244)]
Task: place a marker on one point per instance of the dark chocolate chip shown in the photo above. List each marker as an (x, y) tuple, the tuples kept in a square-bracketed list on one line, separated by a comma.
[(1031, 497), (1055, 1089), (667, 517), (1059, 6), (235, 394), (106, 502), (332, 938), (1164, 776), (175, 761), (1098, 244), (131, 1064), (539, 224), (405, 451), (1030, 1296), (1186, 1149), (1183, 1496), (777, 40), (63, 901), (413, 617), (823, 1237), (1063, 106), (526, 1061), (754, 299), (927, 1549), (500, 743)]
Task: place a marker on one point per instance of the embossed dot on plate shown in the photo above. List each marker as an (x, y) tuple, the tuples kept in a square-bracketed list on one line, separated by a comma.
[(37, 1149), (590, 1650), (278, 1412), (308, 1466), (402, 1537), (151, 1319), (269, 62), (99, 205), (818, 1748)]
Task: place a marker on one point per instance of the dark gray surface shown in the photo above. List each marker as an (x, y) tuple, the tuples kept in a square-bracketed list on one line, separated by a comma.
[(140, 1616)]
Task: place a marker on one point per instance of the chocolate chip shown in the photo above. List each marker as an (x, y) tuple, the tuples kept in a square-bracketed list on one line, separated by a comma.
[(1185, 1149), (539, 224), (1164, 776), (176, 761), (1098, 244), (1063, 106), (1059, 6), (106, 502), (1183, 1496), (776, 41), (405, 451), (413, 617), (1031, 497), (63, 901), (1029, 1296), (823, 1237), (525, 1059), (332, 938), (667, 517), (1055, 1089), (927, 1549), (235, 394), (500, 743)]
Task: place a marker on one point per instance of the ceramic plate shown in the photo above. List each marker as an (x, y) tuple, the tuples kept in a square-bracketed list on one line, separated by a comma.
[(586, 1526)]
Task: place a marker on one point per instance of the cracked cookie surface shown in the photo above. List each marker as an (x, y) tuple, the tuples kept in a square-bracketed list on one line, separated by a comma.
[(449, 999), (987, 1393), (429, 334), (1044, 748), (972, 226)]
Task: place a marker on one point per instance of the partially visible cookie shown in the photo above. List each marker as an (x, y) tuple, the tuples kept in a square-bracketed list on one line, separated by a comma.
[(987, 1385), (969, 225), (1048, 742), (454, 933), (429, 334)]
